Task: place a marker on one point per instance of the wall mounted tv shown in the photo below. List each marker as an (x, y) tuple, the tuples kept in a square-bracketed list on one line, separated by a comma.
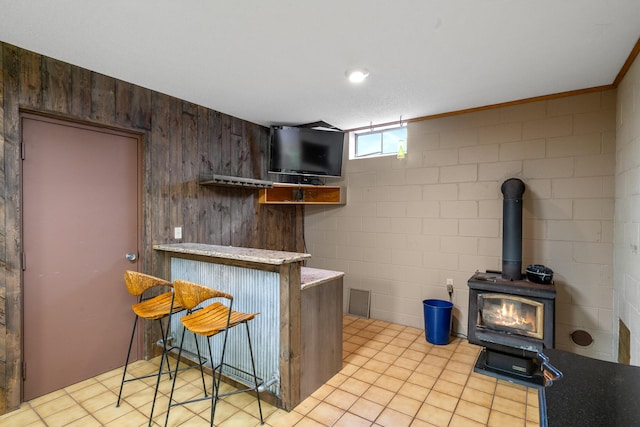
[(306, 152)]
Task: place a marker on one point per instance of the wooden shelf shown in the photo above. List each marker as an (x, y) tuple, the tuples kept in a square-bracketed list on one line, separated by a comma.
[(303, 195)]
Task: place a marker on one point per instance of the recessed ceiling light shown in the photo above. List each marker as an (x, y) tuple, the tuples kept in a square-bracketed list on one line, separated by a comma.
[(357, 75)]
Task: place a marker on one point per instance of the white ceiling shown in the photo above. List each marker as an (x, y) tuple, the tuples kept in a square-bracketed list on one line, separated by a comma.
[(284, 61)]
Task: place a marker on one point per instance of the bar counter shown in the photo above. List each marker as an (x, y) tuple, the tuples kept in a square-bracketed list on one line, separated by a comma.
[(260, 256), (299, 327)]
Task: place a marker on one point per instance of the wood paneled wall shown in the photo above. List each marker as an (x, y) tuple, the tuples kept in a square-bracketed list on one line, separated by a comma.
[(181, 140)]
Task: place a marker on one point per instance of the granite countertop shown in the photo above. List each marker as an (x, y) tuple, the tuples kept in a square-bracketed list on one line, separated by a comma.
[(311, 277), (591, 392), (261, 256)]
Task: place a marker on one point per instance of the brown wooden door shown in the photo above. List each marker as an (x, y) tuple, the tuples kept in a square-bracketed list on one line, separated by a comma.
[(80, 199)]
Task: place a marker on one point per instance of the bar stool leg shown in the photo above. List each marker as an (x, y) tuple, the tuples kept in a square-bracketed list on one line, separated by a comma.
[(255, 376), (218, 368), (214, 390), (200, 362), (126, 363), (165, 354), (173, 385)]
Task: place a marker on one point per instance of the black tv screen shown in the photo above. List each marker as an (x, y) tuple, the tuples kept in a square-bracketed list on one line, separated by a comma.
[(305, 151)]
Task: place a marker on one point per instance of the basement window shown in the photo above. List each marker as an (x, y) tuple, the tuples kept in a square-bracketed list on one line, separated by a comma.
[(378, 142)]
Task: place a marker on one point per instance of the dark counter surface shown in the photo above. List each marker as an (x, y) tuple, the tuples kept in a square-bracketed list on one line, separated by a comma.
[(591, 392)]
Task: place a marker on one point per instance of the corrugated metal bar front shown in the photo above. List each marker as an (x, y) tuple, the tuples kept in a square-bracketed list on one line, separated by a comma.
[(254, 291)]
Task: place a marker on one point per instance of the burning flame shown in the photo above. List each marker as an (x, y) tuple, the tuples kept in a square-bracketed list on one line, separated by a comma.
[(508, 315)]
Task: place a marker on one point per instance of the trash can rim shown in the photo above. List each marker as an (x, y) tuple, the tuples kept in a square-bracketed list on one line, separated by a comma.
[(437, 303)]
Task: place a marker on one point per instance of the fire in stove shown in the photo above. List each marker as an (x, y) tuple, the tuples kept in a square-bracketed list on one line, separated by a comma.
[(511, 314), (508, 316)]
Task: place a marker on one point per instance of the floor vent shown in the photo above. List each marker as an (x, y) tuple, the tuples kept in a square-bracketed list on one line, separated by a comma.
[(359, 302)]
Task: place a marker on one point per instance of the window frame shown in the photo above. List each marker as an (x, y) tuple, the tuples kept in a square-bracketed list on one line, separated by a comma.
[(354, 135)]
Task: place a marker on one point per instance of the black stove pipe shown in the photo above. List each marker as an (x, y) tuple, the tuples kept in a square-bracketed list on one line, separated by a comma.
[(512, 190)]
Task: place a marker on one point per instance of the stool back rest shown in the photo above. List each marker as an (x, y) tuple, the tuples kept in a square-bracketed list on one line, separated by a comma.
[(137, 283), (189, 294)]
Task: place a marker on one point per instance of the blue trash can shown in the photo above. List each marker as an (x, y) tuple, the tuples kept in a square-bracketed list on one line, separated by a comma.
[(437, 320)]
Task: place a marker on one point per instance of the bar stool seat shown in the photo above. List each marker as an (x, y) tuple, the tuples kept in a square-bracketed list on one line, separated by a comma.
[(149, 308), (157, 307), (214, 319)]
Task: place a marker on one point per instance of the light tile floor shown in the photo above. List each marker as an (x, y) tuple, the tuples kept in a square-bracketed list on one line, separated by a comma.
[(391, 376)]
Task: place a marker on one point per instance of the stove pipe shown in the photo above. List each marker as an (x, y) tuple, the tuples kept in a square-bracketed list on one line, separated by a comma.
[(512, 190)]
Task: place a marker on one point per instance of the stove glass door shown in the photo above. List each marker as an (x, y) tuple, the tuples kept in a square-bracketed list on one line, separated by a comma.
[(510, 313)]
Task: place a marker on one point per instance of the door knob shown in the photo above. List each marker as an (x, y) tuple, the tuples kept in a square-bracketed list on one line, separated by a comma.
[(130, 256)]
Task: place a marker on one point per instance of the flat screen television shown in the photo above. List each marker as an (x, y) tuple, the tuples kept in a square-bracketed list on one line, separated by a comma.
[(306, 151)]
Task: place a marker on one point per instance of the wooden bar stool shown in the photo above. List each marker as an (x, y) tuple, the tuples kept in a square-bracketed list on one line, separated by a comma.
[(209, 321), (149, 308)]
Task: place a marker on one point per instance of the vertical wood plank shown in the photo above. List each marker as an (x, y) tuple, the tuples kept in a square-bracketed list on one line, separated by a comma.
[(248, 208), (3, 302), (158, 203), (2, 109), (290, 340), (188, 172), (141, 108), (123, 103), (57, 81), (224, 159), (201, 166), (251, 137), (237, 233), (103, 98), (10, 251), (80, 92), (296, 223), (213, 222), (133, 106), (174, 176), (30, 79)]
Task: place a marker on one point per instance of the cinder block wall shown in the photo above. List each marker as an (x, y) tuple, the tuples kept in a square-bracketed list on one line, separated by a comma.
[(627, 219), (411, 224)]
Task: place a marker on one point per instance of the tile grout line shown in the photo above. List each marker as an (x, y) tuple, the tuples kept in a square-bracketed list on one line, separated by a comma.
[(413, 417), (37, 413)]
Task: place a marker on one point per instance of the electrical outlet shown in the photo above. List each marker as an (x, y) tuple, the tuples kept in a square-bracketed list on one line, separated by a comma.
[(450, 282), (450, 289), (177, 233)]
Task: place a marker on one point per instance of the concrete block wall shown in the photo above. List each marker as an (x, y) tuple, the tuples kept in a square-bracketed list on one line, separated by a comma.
[(410, 224), (627, 217)]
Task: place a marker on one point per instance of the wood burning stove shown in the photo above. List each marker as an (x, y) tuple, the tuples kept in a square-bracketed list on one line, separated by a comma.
[(514, 321), (511, 317)]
